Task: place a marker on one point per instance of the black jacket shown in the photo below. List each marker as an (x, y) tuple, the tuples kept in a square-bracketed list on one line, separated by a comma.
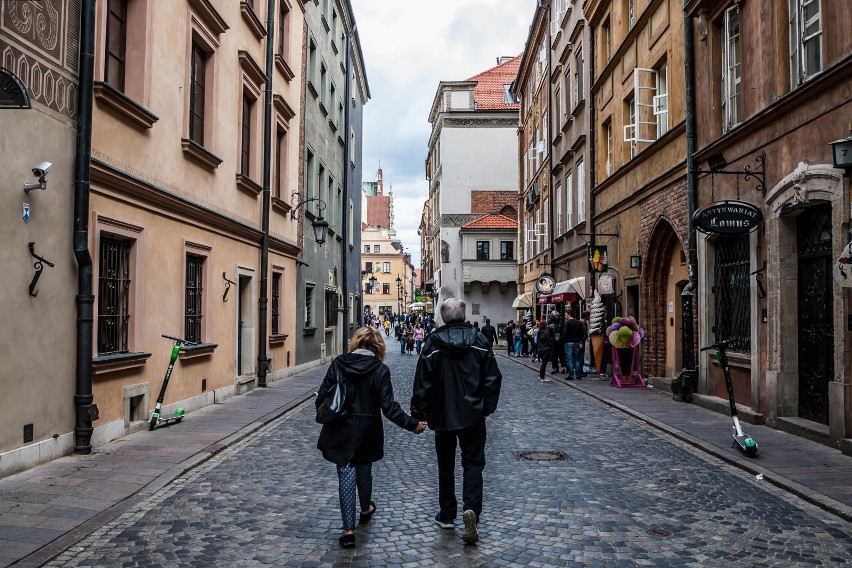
[(489, 332), (545, 343), (457, 382), (359, 438), (573, 331)]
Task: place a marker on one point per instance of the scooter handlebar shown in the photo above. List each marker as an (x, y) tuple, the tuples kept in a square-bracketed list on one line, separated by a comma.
[(717, 345), (180, 340)]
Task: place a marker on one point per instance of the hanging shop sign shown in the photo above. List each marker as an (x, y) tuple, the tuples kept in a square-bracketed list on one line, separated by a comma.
[(843, 268), (13, 92), (545, 285), (727, 218), (598, 260)]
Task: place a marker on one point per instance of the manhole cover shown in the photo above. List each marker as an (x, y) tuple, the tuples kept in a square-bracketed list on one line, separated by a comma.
[(541, 455), (658, 532)]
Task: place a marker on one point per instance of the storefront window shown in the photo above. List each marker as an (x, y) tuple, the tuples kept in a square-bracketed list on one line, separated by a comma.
[(731, 287)]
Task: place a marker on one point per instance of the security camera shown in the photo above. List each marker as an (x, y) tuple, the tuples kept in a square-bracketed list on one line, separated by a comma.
[(41, 170)]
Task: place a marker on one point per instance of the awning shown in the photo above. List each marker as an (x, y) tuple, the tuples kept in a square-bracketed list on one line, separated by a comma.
[(524, 301), (545, 299), (569, 290)]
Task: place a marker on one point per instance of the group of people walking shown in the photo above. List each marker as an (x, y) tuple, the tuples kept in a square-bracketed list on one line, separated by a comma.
[(456, 386), (558, 342)]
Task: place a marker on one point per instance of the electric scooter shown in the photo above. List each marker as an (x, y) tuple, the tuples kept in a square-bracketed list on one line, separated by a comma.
[(741, 439), (156, 418)]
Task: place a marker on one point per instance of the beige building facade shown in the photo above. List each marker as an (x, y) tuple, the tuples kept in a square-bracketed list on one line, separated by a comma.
[(383, 258)]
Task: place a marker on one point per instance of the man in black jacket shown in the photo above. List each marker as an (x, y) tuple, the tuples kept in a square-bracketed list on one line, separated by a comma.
[(456, 385), (489, 332), (574, 335)]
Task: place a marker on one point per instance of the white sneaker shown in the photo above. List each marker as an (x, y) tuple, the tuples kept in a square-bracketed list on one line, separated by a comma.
[(470, 534)]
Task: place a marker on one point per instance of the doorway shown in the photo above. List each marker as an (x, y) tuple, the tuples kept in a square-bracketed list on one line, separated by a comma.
[(245, 327), (815, 299)]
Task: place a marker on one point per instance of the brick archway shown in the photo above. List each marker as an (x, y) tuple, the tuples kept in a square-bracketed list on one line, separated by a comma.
[(655, 275)]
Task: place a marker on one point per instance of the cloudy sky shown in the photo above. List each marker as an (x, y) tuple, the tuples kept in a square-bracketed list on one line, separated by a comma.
[(409, 46)]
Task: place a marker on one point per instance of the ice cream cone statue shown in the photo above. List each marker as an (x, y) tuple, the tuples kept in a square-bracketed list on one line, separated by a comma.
[(597, 317)]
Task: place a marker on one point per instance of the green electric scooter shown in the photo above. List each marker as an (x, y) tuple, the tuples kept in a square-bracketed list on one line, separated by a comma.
[(156, 418), (745, 442)]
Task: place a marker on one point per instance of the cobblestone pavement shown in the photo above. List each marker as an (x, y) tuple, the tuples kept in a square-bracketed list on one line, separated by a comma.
[(626, 495)]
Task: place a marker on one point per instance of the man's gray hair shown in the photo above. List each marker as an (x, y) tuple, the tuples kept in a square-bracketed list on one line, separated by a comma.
[(453, 310)]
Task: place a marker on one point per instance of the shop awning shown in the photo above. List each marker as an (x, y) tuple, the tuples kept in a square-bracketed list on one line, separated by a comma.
[(569, 290), (545, 299), (524, 301)]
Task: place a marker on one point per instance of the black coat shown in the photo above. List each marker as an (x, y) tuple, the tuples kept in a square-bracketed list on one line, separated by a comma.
[(545, 343), (457, 381), (489, 332), (359, 438)]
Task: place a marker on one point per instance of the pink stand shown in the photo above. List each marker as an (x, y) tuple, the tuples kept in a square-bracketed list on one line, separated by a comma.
[(634, 376)]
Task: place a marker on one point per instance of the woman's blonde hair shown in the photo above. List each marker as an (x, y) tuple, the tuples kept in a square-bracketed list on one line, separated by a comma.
[(370, 339)]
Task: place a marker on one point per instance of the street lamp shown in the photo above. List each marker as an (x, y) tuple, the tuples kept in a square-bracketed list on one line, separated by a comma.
[(319, 224), (372, 281), (399, 295)]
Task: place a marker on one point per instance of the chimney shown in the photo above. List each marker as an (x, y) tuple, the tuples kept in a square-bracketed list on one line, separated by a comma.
[(503, 59)]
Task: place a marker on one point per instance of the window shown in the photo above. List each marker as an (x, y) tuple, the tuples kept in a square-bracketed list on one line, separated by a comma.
[(309, 170), (732, 101), (309, 305), (569, 201), (606, 40), (649, 105), (805, 40), (581, 192), (630, 124), (193, 297), (386, 267), (116, 43), (661, 100), (245, 128), (318, 188), (114, 295), (367, 250), (386, 288), (368, 266), (377, 248), (509, 96), (631, 16), (482, 250), (197, 94), (568, 107), (608, 141), (322, 88), (731, 289), (276, 303), (578, 78), (330, 308), (332, 103), (283, 30), (559, 216), (312, 65), (280, 162), (507, 251)]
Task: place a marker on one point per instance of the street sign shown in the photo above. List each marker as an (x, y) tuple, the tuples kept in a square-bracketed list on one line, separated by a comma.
[(13, 92), (598, 261), (727, 218)]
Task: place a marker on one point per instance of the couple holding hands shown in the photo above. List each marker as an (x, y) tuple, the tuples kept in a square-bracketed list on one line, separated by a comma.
[(456, 385)]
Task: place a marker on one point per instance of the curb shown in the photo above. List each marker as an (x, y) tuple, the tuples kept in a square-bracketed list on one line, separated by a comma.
[(806, 494)]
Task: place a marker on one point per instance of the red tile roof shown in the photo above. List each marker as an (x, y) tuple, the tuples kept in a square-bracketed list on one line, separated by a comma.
[(492, 221), (489, 94)]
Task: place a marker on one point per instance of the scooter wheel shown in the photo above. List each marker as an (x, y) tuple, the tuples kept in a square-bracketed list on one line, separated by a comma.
[(178, 419), (751, 452), (151, 424)]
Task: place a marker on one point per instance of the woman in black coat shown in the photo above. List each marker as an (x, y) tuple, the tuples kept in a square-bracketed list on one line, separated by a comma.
[(545, 346), (356, 440)]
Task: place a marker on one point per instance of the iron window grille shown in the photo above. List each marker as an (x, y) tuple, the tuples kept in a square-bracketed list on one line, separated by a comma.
[(113, 296), (507, 250), (276, 303), (116, 43), (194, 295), (309, 306), (732, 290), (482, 250)]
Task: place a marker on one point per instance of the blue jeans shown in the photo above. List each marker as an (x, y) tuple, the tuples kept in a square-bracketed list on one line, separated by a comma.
[(418, 345), (574, 358), (518, 347)]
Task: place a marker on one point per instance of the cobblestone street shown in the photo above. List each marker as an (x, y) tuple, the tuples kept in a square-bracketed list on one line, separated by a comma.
[(625, 495)]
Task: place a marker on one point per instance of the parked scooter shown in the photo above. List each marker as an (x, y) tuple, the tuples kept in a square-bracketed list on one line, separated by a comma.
[(745, 442), (156, 418)]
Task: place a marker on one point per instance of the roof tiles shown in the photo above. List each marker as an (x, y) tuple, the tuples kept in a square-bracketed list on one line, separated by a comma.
[(492, 221), (489, 93)]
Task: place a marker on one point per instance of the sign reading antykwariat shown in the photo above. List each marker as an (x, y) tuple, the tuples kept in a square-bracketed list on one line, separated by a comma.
[(727, 218)]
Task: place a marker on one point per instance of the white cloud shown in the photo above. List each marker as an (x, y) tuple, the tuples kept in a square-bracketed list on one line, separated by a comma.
[(409, 47)]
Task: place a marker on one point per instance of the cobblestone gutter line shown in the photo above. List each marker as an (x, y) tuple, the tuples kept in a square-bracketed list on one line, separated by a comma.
[(823, 502)]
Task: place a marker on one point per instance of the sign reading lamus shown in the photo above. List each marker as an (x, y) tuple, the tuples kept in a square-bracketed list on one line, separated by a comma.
[(13, 92), (727, 218)]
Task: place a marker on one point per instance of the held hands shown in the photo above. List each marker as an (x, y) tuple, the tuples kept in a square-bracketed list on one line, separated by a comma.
[(421, 426)]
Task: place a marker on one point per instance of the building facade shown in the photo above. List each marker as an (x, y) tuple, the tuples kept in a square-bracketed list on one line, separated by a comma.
[(377, 208), (470, 167), (489, 244), (331, 180), (771, 290), (384, 259)]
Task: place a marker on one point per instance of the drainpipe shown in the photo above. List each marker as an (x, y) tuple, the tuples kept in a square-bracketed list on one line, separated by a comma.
[(263, 302), (549, 145), (591, 147), (688, 339), (344, 225), (86, 411)]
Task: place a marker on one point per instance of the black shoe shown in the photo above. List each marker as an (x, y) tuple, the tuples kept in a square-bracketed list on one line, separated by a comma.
[(365, 517), (470, 534), (347, 541), (444, 523)]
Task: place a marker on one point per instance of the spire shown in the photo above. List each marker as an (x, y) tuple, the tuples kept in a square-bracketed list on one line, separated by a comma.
[(380, 182)]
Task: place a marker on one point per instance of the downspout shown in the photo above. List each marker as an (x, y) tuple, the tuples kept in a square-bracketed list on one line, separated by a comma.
[(263, 302), (344, 225), (592, 153), (86, 411), (549, 145), (691, 187)]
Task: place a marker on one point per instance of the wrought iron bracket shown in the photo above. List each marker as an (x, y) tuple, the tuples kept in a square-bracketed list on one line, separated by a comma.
[(750, 171), (758, 276), (294, 211), (228, 284), (39, 267)]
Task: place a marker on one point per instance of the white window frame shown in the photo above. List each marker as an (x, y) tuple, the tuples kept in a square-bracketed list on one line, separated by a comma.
[(731, 85), (581, 191), (661, 100), (644, 102), (608, 139), (559, 230), (630, 124), (799, 43), (631, 14), (569, 200)]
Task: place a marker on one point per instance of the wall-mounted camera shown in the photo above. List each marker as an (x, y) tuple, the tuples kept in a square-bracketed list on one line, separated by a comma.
[(40, 171)]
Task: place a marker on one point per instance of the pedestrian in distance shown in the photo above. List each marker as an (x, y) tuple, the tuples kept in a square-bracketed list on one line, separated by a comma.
[(387, 326), (534, 343), (489, 332), (557, 353), (545, 347), (510, 343), (355, 441), (517, 338), (409, 339), (456, 386), (419, 336), (574, 335), (399, 333)]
